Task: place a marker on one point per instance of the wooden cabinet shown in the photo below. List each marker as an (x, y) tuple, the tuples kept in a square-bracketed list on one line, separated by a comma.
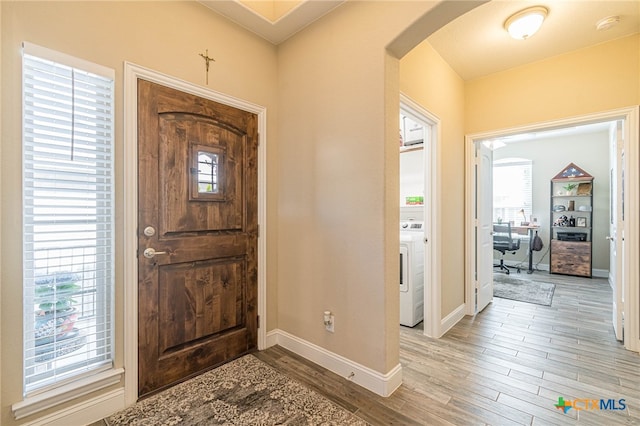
[(571, 257), (571, 196)]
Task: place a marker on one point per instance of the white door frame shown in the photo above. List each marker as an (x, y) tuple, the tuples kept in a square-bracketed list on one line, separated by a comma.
[(432, 250), (616, 276), (631, 199), (129, 322), (483, 226)]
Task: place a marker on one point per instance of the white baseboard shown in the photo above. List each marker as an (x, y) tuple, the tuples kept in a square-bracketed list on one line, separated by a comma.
[(272, 338), (539, 267), (89, 411), (452, 319), (600, 273), (381, 384)]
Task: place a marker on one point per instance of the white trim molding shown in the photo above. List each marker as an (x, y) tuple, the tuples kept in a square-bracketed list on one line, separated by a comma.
[(92, 410), (433, 247), (65, 393), (132, 73), (272, 338), (452, 319), (470, 226), (631, 269), (378, 383)]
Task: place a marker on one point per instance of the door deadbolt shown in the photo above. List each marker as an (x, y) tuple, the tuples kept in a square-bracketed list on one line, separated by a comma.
[(149, 231)]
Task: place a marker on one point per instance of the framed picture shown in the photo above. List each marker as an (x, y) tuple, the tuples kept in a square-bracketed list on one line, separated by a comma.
[(581, 221)]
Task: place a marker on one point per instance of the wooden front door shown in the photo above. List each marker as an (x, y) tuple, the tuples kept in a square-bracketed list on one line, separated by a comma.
[(197, 204)]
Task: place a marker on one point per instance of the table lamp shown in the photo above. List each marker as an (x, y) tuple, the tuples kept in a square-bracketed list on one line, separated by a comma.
[(523, 223)]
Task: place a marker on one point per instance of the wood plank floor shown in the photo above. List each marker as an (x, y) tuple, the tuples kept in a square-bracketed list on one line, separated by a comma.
[(507, 365)]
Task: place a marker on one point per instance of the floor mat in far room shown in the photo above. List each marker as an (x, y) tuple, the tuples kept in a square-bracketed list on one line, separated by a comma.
[(523, 289)]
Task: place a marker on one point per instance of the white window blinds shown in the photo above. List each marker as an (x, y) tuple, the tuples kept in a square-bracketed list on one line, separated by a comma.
[(512, 190), (67, 217)]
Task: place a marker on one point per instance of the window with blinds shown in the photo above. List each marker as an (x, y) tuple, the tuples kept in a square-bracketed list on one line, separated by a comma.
[(68, 217), (512, 190)]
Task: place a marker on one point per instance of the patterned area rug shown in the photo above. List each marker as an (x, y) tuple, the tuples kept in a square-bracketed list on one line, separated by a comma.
[(523, 290), (245, 391)]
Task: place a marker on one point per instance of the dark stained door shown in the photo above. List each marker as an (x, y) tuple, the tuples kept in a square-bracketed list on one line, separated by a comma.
[(197, 203)]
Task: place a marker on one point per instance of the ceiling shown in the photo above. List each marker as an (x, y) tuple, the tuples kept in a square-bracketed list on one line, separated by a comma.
[(475, 44), (271, 23)]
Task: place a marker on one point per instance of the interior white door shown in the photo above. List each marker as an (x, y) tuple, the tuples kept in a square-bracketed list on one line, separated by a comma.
[(432, 285), (616, 227), (484, 225)]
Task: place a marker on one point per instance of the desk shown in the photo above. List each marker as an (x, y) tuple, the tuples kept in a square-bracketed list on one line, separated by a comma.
[(529, 230)]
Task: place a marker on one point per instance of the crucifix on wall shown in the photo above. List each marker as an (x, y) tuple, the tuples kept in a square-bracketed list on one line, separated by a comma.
[(207, 59)]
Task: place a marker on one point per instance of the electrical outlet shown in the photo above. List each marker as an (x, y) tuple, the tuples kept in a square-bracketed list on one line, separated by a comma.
[(329, 326), (328, 321)]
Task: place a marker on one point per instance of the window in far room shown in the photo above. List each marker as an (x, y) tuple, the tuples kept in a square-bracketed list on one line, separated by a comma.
[(512, 190)]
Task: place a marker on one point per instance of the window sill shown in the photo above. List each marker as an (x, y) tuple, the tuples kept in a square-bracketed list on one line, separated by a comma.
[(65, 393)]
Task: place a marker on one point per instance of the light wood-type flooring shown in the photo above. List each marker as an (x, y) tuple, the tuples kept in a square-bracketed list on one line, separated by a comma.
[(507, 365)]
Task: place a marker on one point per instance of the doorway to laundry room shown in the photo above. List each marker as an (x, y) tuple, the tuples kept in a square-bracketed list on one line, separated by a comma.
[(419, 265)]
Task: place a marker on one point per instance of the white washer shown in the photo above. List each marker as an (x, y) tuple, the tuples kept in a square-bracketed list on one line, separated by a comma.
[(411, 273)]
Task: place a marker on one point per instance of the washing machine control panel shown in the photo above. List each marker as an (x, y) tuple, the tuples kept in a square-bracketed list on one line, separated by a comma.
[(411, 226)]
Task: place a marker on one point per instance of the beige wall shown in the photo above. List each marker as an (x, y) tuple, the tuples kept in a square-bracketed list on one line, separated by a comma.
[(427, 79), (331, 92), (595, 79), (591, 80), (166, 37), (338, 180)]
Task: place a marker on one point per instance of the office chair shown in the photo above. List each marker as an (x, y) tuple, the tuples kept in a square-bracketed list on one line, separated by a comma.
[(503, 241)]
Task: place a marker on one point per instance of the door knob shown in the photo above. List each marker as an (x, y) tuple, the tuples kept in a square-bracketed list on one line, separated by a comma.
[(150, 252), (610, 238)]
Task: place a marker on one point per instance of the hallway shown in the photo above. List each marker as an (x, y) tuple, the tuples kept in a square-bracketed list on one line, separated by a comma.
[(507, 365)]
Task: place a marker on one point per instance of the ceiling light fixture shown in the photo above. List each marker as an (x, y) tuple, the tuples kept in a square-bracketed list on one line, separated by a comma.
[(608, 22), (526, 23)]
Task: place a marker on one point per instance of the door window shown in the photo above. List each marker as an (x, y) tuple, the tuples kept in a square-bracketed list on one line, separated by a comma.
[(206, 172)]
